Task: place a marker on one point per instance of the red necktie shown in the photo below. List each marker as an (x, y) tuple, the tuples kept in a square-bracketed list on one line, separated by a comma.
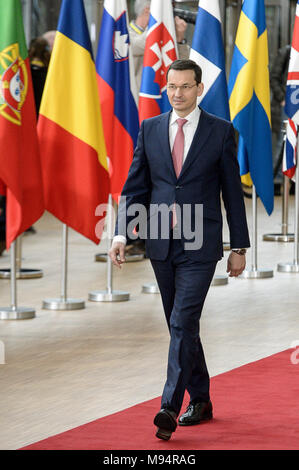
[(177, 156), (178, 147)]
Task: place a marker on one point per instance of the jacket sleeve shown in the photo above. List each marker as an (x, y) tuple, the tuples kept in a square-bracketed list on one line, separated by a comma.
[(137, 188), (232, 193)]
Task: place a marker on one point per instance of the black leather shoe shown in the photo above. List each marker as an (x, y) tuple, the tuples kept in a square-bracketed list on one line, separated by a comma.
[(166, 422), (195, 413)]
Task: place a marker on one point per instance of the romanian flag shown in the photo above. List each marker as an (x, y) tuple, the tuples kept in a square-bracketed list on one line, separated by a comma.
[(118, 93), (20, 170), (249, 101), (74, 162)]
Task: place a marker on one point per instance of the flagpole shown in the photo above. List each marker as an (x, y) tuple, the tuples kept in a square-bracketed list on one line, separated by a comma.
[(284, 236), (14, 312), (109, 295), (64, 303), (293, 267), (253, 272), (21, 273)]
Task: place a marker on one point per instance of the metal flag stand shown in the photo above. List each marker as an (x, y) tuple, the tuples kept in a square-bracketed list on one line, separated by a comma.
[(219, 280), (254, 272), (64, 303), (21, 273), (109, 295), (150, 288), (14, 312), (103, 257), (293, 267), (284, 236)]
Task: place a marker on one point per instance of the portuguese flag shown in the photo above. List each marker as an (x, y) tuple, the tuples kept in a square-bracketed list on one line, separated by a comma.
[(20, 169)]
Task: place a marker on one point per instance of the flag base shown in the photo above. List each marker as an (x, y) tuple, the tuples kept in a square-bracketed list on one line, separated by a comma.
[(278, 237), (63, 304), (108, 296), (22, 273), (129, 258), (256, 274), (16, 313), (288, 267), (151, 288), (219, 280)]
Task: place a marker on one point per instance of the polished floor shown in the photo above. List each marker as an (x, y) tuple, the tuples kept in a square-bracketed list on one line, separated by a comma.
[(65, 368)]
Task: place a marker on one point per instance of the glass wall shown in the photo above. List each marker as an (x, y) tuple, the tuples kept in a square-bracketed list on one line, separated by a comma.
[(42, 15)]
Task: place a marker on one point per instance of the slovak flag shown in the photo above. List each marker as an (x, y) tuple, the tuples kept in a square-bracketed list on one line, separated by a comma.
[(292, 104), (117, 91), (160, 52), (208, 52)]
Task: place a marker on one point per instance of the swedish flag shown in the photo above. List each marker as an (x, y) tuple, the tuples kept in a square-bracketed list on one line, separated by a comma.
[(249, 101)]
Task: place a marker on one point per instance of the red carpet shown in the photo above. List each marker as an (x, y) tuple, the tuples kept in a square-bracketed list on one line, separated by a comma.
[(256, 406)]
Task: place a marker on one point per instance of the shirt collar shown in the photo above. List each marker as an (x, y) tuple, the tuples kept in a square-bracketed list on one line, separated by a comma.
[(136, 28), (194, 115)]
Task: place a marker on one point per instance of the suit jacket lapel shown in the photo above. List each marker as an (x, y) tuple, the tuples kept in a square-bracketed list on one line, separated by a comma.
[(200, 138), (163, 133)]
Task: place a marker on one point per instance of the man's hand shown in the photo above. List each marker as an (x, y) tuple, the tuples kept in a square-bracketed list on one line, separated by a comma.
[(117, 254), (180, 28), (235, 264)]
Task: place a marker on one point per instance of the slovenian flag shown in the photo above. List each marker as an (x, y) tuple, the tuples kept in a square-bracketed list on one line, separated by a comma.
[(74, 161), (292, 104), (117, 91), (160, 52), (208, 52)]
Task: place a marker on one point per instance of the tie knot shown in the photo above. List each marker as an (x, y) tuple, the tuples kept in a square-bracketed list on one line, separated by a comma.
[(181, 122)]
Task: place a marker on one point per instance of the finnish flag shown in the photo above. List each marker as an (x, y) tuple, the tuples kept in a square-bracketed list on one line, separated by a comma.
[(208, 52)]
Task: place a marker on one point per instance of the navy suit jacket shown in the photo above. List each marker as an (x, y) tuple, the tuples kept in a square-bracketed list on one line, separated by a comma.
[(210, 168)]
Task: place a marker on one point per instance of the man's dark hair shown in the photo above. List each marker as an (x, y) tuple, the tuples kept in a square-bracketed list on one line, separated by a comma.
[(186, 64)]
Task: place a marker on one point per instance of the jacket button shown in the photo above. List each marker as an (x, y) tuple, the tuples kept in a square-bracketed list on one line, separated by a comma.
[(178, 187)]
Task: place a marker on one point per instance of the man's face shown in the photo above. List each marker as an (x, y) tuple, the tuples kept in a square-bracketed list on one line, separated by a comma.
[(182, 91)]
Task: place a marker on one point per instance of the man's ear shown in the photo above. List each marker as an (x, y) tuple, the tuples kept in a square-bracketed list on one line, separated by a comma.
[(200, 89)]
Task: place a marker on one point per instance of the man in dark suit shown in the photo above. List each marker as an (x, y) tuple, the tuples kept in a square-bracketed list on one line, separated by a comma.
[(183, 160)]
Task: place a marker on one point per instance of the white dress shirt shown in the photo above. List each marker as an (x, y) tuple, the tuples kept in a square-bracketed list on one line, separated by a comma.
[(189, 129)]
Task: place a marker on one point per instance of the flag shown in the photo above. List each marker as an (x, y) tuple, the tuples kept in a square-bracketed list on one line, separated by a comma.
[(249, 101), (292, 88), (20, 169), (290, 150), (208, 52), (292, 104), (73, 152), (160, 52), (117, 91)]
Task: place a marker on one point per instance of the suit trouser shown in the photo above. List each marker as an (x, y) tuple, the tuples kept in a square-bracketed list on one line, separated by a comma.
[(183, 285)]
